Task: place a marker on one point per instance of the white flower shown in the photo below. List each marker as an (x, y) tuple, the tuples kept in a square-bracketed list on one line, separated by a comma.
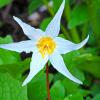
[(45, 46)]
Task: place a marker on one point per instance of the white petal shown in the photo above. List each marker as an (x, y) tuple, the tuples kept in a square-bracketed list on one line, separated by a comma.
[(54, 27), (26, 46), (58, 63), (65, 46), (36, 65), (28, 30)]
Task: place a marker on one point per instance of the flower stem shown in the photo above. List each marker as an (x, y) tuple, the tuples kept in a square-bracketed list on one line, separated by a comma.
[(47, 80)]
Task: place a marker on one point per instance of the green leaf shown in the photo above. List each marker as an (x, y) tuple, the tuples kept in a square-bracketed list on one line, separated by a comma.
[(95, 89), (10, 61), (44, 23), (9, 57), (68, 83), (15, 69), (11, 89), (96, 4), (88, 98), (58, 76), (79, 16), (4, 3), (69, 59), (33, 5), (74, 96), (6, 56), (84, 92), (97, 97), (57, 91), (94, 17), (37, 87), (91, 50), (89, 64), (7, 39), (62, 36), (56, 5), (92, 40)]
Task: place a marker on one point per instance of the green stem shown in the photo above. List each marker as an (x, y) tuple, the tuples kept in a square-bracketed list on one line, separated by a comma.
[(73, 31), (93, 19), (65, 33)]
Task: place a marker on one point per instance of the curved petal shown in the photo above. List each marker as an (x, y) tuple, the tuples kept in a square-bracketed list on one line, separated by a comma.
[(36, 65), (65, 46), (54, 27), (28, 30), (26, 46), (58, 63)]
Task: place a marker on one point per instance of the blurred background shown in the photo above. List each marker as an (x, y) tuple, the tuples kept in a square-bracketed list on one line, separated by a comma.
[(80, 18)]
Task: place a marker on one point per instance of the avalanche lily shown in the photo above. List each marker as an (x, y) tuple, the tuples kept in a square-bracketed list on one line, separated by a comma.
[(45, 46)]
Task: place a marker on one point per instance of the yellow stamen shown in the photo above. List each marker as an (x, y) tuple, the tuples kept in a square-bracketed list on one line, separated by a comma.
[(46, 45)]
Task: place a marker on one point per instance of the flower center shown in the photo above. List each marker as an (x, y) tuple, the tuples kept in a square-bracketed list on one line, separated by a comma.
[(46, 45)]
